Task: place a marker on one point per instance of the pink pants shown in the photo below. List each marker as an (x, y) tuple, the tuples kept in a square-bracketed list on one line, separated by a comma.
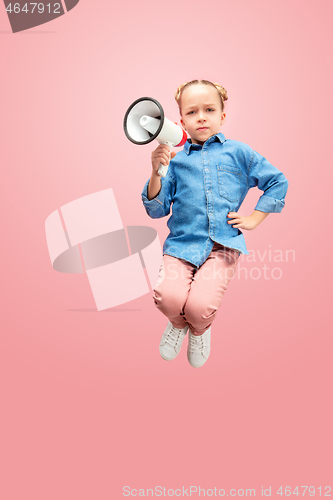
[(189, 295)]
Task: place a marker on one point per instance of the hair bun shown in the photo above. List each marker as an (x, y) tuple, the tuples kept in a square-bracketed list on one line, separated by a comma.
[(179, 91), (222, 91)]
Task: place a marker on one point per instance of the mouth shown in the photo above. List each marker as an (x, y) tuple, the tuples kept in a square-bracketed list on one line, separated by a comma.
[(201, 129)]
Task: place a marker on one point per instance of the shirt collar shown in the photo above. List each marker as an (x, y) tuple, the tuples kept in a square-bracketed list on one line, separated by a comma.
[(188, 144)]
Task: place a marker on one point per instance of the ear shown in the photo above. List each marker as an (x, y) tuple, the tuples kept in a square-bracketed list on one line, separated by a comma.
[(182, 123), (223, 117)]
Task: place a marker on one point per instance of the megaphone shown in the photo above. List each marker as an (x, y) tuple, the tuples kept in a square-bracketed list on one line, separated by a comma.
[(145, 121)]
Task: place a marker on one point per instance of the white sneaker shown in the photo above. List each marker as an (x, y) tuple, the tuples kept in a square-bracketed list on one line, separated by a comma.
[(171, 341), (198, 348)]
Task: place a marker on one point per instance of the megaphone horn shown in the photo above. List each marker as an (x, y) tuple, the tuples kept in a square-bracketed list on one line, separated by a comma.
[(145, 121)]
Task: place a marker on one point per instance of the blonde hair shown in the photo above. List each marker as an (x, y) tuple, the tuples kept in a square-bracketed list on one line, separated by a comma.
[(221, 90)]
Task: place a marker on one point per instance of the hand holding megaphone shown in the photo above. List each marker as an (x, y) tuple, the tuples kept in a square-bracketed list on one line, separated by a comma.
[(161, 157), (145, 121), (165, 136)]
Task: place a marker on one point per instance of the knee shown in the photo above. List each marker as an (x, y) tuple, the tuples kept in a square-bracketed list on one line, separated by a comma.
[(199, 313), (168, 301)]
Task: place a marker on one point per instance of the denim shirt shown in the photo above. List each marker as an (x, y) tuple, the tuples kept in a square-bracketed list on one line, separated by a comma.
[(203, 184)]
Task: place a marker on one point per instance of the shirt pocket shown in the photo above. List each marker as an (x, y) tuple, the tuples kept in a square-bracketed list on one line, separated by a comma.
[(229, 178)]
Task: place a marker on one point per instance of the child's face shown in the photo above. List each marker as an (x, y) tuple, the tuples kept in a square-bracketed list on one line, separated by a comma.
[(201, 112)]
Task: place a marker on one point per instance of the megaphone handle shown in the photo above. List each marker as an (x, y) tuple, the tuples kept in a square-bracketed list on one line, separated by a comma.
[(162, 169)]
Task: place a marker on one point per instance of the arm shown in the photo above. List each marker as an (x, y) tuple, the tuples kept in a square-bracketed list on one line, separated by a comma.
[(160, 155), (158, 192), (274, 184), (258, 216), (270, 180), (154, 186), (243, 222)]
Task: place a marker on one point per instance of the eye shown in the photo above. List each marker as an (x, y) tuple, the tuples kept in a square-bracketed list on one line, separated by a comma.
[(190, 112), (210, 109)]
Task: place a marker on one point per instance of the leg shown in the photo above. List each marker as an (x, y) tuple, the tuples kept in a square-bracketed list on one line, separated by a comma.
[(209, 284), (172, 289), (170, 295)]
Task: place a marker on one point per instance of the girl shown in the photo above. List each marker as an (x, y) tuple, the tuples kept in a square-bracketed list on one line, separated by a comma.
[(206, 184)]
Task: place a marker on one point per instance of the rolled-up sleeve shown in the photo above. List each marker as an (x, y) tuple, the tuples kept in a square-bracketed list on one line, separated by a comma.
[(160, 205), (269, 179)]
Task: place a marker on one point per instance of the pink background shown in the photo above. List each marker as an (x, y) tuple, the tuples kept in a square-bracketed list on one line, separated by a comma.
[(88, 405)]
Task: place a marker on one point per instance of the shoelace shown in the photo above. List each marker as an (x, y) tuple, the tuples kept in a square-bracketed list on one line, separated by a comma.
[(171, 339), (197, 343)]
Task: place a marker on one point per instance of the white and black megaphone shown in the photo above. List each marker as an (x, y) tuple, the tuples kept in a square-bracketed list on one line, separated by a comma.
[(145, 121)]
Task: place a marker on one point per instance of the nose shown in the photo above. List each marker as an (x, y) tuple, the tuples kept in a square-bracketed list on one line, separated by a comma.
[(201, 116)]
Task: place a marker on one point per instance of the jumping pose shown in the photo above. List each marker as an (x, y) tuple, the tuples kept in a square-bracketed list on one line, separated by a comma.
[(205, 185)]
